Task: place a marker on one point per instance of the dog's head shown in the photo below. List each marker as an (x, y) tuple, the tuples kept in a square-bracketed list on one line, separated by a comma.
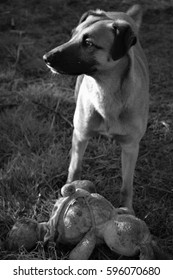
[(99, 40)]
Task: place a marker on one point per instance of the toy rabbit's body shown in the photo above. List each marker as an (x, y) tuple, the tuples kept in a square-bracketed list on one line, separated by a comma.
[(84, 218)]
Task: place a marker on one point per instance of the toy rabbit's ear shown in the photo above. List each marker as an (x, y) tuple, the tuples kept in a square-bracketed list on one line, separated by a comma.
[(85, 247)]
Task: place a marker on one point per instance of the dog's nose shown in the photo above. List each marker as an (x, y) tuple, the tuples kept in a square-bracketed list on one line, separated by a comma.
[(49, 59), (45, 58)]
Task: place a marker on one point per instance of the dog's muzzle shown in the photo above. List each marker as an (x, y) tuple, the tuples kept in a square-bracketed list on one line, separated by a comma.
[(48, 60), (67, 59)]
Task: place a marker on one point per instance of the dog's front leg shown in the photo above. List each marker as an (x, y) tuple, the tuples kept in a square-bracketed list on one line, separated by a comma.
[(128, 159), (77, 152)]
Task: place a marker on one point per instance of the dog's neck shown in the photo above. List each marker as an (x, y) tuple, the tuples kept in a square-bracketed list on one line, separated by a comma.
[(112, 78), (105, 89), (110, 81)]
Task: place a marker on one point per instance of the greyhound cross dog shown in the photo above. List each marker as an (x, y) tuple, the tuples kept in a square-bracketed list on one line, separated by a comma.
[(112, 88)]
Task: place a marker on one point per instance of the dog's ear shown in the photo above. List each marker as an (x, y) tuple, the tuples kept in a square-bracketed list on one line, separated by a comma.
[(96, 13), (135, 12), (85, 15), (124, 39)]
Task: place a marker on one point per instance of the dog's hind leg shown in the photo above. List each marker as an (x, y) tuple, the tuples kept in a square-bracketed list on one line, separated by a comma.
[(128, 159), (77, 152)]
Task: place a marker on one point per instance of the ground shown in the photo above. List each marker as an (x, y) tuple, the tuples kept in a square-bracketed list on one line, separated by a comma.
[(36, 112)]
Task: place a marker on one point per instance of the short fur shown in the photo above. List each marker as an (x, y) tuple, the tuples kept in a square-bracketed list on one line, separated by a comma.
[(112, 90)]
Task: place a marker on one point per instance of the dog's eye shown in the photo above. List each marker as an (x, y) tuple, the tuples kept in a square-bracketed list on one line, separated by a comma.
[(88, 43)]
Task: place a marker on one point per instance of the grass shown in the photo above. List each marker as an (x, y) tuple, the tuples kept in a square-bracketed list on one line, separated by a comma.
[(36, 112)]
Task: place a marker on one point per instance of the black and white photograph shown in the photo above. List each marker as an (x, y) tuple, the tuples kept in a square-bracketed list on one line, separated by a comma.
[(86, 131)]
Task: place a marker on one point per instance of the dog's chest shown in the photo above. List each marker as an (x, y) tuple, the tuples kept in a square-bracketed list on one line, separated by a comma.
[(106, 102), (105, 99)]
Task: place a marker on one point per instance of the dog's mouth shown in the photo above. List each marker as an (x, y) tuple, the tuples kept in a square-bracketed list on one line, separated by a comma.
[(55, 71), (69, 65), (52, 68)]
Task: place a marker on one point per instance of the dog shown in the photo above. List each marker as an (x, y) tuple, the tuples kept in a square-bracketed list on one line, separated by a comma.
[(112, 87)]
